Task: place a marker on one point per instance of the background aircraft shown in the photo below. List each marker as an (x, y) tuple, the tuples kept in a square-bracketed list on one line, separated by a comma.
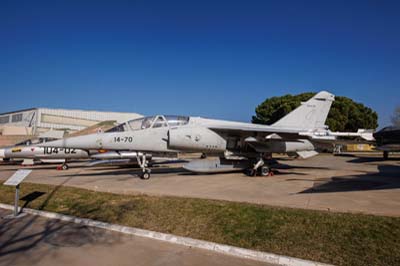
[(388, 140), (30, 152)]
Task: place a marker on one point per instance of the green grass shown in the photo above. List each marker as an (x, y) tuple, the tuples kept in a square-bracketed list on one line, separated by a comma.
[(337, 238)]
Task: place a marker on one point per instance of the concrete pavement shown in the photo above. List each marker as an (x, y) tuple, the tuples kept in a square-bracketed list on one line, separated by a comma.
[(33, 240)]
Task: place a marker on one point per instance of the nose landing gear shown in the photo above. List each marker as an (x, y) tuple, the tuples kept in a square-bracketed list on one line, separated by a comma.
[(143, 163)]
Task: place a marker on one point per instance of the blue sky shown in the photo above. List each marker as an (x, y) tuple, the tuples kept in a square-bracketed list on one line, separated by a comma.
[(211, 58)]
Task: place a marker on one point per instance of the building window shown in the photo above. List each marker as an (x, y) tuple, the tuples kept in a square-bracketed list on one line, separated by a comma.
[(16, 118), (4, 119)]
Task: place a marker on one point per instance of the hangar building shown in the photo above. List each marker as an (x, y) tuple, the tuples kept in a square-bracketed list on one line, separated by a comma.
[(35, 121)]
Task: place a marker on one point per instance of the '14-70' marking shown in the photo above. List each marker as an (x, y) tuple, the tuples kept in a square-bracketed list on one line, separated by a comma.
[(123, 139)]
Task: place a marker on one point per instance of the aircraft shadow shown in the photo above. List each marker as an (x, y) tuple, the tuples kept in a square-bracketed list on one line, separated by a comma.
[(111, 167), (388, 177), (40, 167), (19, 236), (135, 172), (371, 160), (288, 167)]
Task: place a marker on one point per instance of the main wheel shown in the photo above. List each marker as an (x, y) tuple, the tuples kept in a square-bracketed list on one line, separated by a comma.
[(264, 171), (146, 175), (64, 167)]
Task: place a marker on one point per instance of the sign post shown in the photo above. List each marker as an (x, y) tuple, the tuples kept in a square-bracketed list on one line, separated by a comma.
[(16, 200), (15, 180)]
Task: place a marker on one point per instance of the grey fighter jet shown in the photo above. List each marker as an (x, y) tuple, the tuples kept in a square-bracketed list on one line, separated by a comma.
[(231, 141)]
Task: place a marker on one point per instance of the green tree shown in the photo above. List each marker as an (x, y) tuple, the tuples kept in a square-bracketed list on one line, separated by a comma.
[(345, 114)]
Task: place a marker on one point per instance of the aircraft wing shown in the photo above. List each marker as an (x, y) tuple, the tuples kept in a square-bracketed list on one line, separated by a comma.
[(267, 131), (254, 129)]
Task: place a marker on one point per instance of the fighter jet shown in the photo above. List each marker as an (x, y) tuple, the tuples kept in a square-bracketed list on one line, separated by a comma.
[(239, 145), (28, 151), (388, 140), (31, 152)]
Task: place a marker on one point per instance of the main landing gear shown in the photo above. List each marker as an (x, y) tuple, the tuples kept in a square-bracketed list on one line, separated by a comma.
[(260, 169), (143, 163), (385, 155)]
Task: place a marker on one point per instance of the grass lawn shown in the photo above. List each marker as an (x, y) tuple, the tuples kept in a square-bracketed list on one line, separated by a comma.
[(337, 238)]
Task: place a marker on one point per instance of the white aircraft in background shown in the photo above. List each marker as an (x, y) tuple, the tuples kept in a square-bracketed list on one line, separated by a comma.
[(30, 152)]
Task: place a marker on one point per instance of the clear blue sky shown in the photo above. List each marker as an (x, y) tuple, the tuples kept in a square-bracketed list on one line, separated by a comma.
[(211, 58)]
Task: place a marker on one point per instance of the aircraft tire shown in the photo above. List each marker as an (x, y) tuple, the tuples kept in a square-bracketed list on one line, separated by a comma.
[(265, 171), (146, 175), (64, 167)]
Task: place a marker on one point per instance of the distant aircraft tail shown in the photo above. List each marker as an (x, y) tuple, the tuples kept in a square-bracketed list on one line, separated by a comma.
[(309, 115)]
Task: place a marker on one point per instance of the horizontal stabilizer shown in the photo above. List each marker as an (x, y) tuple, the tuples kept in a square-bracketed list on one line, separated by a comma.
[(366, 134), (363, 134)]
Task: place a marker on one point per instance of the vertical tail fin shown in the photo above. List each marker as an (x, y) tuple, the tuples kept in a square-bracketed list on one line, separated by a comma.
[(309, 115)]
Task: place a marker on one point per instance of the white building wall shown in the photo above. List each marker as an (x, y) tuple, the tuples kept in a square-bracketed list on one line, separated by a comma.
[(42, 119), (78, 119), (24, 118)]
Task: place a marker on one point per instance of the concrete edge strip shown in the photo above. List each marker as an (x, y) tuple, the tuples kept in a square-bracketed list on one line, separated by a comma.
[(185, 241)]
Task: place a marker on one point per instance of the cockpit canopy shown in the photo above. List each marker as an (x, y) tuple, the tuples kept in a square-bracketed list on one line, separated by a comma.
[(151, 122), (34, 141)]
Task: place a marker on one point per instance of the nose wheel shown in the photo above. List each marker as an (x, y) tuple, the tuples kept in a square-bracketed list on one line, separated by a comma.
[(146, 174)]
